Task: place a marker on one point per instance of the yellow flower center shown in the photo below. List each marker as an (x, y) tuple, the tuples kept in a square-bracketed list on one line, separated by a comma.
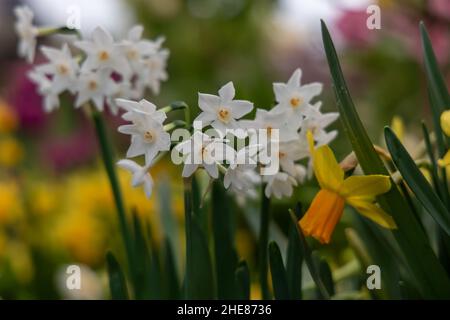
[(323, 215), (281, 154), (103, 55), (92, 85), (132, 54), (295, 102), (269, 131), (62, 69), (224, 115), (149, 136)]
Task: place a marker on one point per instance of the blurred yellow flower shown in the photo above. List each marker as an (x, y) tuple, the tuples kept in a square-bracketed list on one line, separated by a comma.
[(8, 119), (445, 125), (10, 202), (328, 205), (11, 152)]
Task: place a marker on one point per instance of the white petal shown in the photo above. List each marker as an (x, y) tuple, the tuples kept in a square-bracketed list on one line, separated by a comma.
[(212, 170), (135, 33), (189, 169), (102, 37), (294, 80), (240, 108), (227, 92), (208, 102)]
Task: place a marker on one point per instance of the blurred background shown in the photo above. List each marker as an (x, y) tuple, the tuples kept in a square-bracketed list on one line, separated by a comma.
[(55, 203)]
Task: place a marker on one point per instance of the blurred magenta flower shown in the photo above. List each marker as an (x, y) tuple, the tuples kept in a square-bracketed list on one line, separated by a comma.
[(65, 152), (352, 26), (25, 100), (440, 8)]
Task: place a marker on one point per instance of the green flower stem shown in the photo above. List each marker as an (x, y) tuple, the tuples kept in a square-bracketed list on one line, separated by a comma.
[(48, 31), (263, 245), (107, 157), (187, 223)]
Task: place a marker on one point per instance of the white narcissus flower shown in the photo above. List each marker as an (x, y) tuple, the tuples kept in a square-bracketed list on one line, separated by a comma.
[(153, 72), (203, 151), (61, 66), (137, 48), (26, 31), (241, 174), (134, 109), (289, 152), (280, 185), (147, 137), (221, 112), (317, 122), (45, 88), (102, 52), (141, 175), (94, 86), (294, 98), (287, 130)]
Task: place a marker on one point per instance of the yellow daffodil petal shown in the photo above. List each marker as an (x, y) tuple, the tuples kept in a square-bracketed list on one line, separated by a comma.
[(445, 122), (323, 215), (373, 212), (365, 186), (445, 161), (398, 127), (326, 168)]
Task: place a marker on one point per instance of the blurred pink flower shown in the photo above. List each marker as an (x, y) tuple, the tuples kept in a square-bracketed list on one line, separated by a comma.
[(352, 26), (440, 8), (25, 100), (62, 153), (407, 29)]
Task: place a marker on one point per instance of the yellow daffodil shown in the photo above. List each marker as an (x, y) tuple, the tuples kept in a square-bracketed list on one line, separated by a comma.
[(328, 205), (445, 125)]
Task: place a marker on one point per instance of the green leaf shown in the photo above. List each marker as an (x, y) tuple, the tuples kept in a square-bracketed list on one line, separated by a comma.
[(325, 274), (294, 263), (435, 79), (224, 251), (416, 181), (117, 283), (199, 280), (170, 277), (279, 277), (262, 245), (424, 266), (242, 280), (307, 255)]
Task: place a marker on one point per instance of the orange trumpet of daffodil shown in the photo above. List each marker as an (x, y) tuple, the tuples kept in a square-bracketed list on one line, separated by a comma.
[(328, 205)]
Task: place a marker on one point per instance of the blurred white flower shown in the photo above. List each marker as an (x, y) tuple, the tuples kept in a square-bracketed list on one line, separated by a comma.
[(287, 130), (102, 52), (94, 86), (141, 175), (62, 67), (153, 72), (26, 31), (317, 122), (136, 49), (289, 153), (221, 112), (203, 151), (134, 109), (294, 98), (147, 137), (280, 185), (241, 174), (45, 87)]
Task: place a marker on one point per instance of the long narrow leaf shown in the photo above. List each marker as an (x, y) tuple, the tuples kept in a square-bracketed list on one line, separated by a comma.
[(424, 266), (279, 278), (117, 282), (416, 181)]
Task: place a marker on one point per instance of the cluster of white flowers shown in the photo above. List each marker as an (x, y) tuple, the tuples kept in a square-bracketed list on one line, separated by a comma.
[(101, 71), (243, 167)]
